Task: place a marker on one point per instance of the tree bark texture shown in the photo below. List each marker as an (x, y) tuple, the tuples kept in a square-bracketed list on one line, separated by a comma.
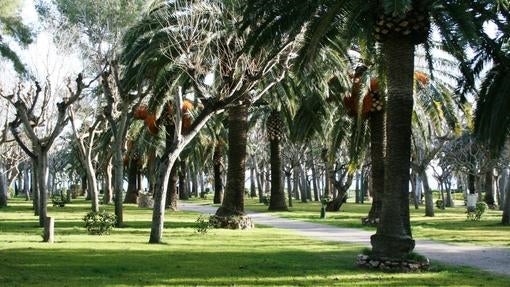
[(377, 131), (218, 183), (132, 175), (171, 200), (233, 203), (277, 201), (393, 237)]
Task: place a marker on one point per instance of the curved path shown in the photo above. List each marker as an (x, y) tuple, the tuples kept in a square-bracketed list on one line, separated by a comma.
[(496, 260)]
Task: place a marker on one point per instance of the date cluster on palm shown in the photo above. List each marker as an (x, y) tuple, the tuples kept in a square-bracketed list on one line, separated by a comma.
[(377, 103), (275, 126), (415, 24)]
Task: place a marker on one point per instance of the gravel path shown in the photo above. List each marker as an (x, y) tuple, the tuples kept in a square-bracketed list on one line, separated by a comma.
[(496, 260)]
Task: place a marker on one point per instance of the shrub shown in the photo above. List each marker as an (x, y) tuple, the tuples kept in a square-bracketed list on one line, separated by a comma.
[(439, 204), (475, 214), (266, 198), (203, 224), (99, 223)]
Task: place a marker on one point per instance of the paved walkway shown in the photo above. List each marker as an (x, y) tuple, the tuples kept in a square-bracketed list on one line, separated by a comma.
[(496, 260)]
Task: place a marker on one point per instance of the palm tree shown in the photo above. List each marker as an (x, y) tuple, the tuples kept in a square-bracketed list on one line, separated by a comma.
[(398, 26), (233, 202), (275, 127)]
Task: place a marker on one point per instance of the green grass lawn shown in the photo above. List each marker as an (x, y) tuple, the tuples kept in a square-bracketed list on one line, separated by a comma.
[(449, 225), (259, 257)]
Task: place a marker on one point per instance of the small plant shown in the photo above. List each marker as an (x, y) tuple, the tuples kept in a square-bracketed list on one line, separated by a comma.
[(266, 198), (99, 223), (439, 204), (203, 224), (475, 214)]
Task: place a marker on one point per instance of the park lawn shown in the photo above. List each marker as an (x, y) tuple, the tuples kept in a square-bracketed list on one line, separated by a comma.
[(449, 225), (259, 257)]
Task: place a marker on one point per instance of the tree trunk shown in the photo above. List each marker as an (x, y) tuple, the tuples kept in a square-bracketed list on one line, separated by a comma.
[(233, 203), (315, 179), (253, 188), (471, 183), (303, 186), (183, 188), (85, 187), (92, 187), (377, 143), (26, 181), (118, 176), (36, 202), (194, 181), (277, 201), (3, 187), (429, 199), (132, 177), (505, 219), (108, 191), (489, 189), (414, 190), (449, 197), (218, 183), (42, 172), (171, 200), (295, 182), (260, 187), (289, 187), (393, 238)]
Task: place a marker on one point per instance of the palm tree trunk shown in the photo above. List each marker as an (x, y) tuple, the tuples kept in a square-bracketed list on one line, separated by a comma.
[(393, 237), (233, 203), (377, 130), (277, 202), (132, 176)]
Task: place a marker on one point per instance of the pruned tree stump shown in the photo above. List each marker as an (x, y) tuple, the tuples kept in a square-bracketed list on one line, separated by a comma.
[(49, 230), (145, 200), (391, 264), (231, 222)]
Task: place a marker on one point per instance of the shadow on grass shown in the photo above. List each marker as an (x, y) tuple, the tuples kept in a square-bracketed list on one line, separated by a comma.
[(87, 267)]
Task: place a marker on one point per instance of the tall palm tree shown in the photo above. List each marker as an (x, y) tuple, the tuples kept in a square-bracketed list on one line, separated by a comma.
[(398, 26), (274, 126)]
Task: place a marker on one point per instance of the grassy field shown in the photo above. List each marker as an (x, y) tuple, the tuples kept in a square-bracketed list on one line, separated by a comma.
[(449, 225), (259, 257)]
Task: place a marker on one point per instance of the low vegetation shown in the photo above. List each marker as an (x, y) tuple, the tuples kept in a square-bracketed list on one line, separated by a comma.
[(258, 257)]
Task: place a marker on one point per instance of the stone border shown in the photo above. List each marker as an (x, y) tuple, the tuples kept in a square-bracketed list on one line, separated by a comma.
[(392, 265)]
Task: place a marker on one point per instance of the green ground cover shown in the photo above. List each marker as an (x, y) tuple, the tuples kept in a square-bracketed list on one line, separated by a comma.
[(259, 257), (449, 225)]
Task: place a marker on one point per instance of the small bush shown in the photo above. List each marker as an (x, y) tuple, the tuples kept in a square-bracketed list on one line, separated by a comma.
[(203, 224), (439, 204), (266, 198), (99, 223), (475, 214)]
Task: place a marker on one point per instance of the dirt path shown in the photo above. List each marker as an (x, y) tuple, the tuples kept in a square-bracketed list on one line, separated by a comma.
[(496, 260)]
